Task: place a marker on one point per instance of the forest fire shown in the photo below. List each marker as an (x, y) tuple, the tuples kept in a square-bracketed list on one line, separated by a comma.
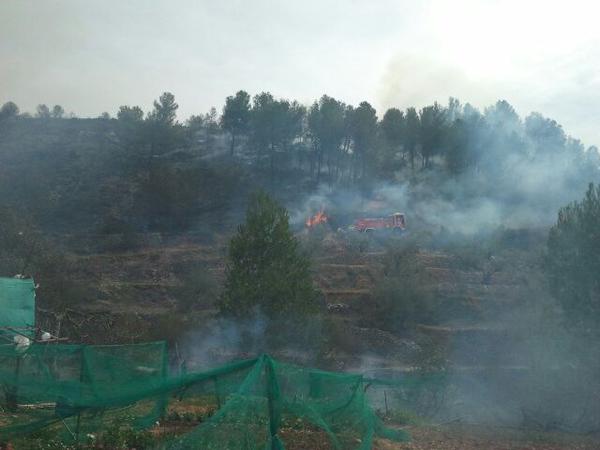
[(317, 219)]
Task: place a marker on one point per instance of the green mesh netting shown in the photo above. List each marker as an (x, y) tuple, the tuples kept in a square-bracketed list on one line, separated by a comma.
[(250, 404), (17, 306), (45, 384)]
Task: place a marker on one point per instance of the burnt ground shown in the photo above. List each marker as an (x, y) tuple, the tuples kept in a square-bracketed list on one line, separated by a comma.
[(137, 287), (471, 437)]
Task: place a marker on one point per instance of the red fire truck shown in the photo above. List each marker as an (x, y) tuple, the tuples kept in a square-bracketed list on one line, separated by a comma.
[(394, 222)]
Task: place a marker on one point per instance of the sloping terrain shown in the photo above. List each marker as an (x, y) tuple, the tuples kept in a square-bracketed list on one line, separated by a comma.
[(481, 301), (465, 437), (140, 286)]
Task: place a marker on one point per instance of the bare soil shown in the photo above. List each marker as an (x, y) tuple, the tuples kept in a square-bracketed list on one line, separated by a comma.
[(470, 437)]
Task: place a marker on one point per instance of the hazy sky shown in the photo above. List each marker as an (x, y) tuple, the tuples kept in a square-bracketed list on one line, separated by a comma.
[(93, 55)]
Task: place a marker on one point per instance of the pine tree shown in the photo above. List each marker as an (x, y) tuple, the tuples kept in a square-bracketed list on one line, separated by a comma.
[(236, 116), (573, 261), (266, 268)]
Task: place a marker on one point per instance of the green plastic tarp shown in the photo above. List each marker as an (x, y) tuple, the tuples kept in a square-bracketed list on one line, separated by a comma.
[(17, 305)]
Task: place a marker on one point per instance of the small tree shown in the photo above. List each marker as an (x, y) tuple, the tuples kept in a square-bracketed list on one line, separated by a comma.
[(25, 251), (130, 114), (411, 134), (165, 110), (58, 112), (364, 132), (401, 298), (211, 128), (392, 127), (457, 155), (274, 124), (573, 261), (433, 127), (236, 116), (266, 268), (326, 128), (161, 132), (42, 111), (9, 109), (194, 127)]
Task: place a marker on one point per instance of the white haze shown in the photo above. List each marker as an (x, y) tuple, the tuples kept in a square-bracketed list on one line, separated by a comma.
[(95, 55)]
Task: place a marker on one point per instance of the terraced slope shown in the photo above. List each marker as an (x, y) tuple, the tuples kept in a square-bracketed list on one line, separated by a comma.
[(475, 300), (478, 300)]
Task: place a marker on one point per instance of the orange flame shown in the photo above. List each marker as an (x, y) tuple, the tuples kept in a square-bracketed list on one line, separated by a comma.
[(318, 218)]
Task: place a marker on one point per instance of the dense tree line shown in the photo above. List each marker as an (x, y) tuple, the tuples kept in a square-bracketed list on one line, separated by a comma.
[(336, 141), (147, 170)]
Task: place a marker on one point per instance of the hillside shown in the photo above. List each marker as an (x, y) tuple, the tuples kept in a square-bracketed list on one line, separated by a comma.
[(475, 294), (126, 225)]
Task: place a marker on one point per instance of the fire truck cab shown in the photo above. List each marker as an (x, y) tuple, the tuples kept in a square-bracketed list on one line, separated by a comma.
[(394, 222)]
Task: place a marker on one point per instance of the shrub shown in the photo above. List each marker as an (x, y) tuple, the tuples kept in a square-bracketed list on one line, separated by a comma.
[(401, 298)]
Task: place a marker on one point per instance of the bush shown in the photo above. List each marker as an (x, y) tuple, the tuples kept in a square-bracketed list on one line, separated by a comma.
[(401, 298)]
